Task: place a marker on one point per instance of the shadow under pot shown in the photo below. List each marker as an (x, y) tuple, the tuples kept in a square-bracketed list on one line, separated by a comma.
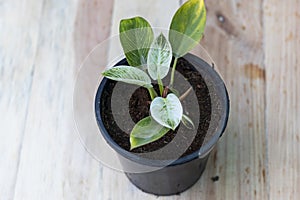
[(176, 161)]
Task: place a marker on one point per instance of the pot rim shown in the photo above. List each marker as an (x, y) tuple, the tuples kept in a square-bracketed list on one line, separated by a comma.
[(202, 152)]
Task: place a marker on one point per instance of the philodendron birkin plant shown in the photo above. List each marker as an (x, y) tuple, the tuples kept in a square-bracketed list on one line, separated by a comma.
[(146, 53)]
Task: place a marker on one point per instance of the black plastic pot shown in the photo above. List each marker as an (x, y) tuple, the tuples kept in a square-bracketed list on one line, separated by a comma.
[(179, 175)]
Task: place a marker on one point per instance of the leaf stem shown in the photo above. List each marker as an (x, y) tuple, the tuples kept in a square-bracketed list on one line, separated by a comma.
[(173, 72), (182, 97), (152, 92), (161, 86), (165, 92)]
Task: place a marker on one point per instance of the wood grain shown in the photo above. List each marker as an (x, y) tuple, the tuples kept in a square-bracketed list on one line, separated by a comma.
[(54, 164), (92, 26), (19, 33), (234, 38), (255, 45), (282, 46)]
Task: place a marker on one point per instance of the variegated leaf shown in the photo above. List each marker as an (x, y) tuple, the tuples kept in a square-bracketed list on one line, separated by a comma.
[(159, 58), (136, 36), (167, 111), (187, 27), (146, 131), (128, 74)]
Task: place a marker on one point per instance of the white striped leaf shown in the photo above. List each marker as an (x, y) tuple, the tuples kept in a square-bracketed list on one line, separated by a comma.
[(167, 111), (159, 58), (128, 74)]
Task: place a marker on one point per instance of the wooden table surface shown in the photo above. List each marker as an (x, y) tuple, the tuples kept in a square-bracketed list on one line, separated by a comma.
[(255, 44)]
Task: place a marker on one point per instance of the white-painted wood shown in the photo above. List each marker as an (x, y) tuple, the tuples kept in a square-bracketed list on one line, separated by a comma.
[(19, 33), (282, 47), (54, 164), (233, 37)]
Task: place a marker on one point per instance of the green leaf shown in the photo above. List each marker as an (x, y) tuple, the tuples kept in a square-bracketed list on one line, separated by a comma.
[(187, 27), (136, 36), (159, 58), (146, 131), (187, 122), (167, 111), (128, 74)]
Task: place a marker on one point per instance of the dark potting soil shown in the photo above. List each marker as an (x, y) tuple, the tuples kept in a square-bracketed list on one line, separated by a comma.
[(197, 105)]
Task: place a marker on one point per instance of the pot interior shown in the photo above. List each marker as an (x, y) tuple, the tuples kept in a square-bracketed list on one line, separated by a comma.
[(207, 105)]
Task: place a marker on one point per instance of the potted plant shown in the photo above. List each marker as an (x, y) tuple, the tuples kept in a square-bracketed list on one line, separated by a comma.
[(179, 103)]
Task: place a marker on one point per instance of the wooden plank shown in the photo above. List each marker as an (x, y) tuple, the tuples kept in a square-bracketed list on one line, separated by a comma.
[(233, 37), (54, 164), (92, 26), (19, 25), (282, 46)]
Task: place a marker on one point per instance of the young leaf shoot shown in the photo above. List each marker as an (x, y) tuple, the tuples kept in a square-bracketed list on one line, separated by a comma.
[(159, 60)]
